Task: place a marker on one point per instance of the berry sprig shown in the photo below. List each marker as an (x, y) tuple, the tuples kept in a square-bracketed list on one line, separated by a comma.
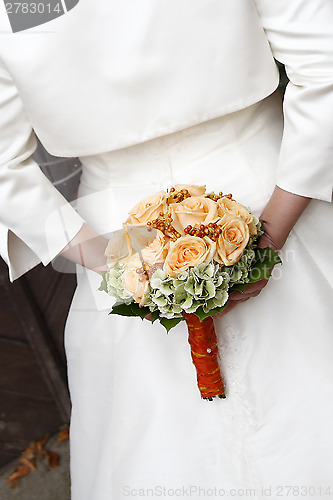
[(217, 197), (212, 230), (164, 224), (178, 196)]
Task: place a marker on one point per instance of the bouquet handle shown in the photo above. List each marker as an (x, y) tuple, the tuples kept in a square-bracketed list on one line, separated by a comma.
[(204, 352)]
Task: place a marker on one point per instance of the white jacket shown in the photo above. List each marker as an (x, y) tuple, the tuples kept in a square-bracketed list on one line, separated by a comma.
[(118, 72)]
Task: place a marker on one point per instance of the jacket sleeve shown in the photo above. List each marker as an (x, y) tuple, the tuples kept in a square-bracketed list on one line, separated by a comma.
[(36, 222), (300, 33)]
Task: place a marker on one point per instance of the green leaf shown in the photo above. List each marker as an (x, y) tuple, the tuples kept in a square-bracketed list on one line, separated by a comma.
[(200, 313), (170, 323), (265, 260), (132, 309), (142, 312), (267, 255), (240, 288), (122, 309), (217, 310), (155, 315), (203, 315)]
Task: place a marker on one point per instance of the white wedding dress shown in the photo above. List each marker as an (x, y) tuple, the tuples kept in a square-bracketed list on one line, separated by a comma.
[(139, 427)]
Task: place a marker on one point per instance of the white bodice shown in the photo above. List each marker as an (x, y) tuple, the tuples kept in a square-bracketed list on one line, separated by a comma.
[(226, 154)]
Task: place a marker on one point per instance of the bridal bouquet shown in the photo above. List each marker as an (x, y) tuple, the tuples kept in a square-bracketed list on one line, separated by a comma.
[(178, 257)]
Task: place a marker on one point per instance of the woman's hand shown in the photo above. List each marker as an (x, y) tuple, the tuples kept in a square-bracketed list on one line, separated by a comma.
[(279, 217)]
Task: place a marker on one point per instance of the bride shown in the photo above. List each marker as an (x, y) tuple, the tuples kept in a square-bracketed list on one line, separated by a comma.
[(149, 95)]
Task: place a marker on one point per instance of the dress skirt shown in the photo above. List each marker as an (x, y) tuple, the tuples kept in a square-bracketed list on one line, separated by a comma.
[(139, 427)]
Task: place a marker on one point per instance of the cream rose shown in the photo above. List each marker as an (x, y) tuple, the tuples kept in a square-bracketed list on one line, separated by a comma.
[(193, 189), (231, 207), (157, 250), (147, 209), (133, 282), (191, 211), (188, 251), (232, 240), (118, 247)]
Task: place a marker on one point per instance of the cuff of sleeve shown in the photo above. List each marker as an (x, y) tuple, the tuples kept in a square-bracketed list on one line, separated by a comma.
[(315, 191), (61, 227)]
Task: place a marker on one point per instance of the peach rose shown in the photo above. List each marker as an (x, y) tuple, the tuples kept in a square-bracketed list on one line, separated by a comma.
[(232, 207), (147, 209), (193, 189), (188, 251), (157, 251), (133, 282), (193, 210), (232, 240)]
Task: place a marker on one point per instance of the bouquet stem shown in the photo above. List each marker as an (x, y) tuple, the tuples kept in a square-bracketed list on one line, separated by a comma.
[(204, 351)]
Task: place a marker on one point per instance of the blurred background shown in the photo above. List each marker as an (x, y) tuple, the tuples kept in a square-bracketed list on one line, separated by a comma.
[(34, 399)]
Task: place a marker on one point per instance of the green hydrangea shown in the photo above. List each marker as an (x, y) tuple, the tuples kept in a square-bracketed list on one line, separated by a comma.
[(114, 284), (203, 286), (239, 272)]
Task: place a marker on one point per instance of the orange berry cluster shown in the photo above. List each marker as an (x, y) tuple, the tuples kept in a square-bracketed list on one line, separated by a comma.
[(212, 230), (216, 197), (178, 196), (146, 271), (164, 224)]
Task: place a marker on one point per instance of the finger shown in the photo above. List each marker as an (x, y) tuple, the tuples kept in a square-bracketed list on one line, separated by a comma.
[(254, 294), (266, 241)]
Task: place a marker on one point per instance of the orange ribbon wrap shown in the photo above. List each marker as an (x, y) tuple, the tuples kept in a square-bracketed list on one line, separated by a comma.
[(204, 350)]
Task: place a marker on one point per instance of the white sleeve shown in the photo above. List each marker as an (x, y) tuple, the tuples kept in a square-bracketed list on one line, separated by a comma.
[(300, 33), (36, 222)]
